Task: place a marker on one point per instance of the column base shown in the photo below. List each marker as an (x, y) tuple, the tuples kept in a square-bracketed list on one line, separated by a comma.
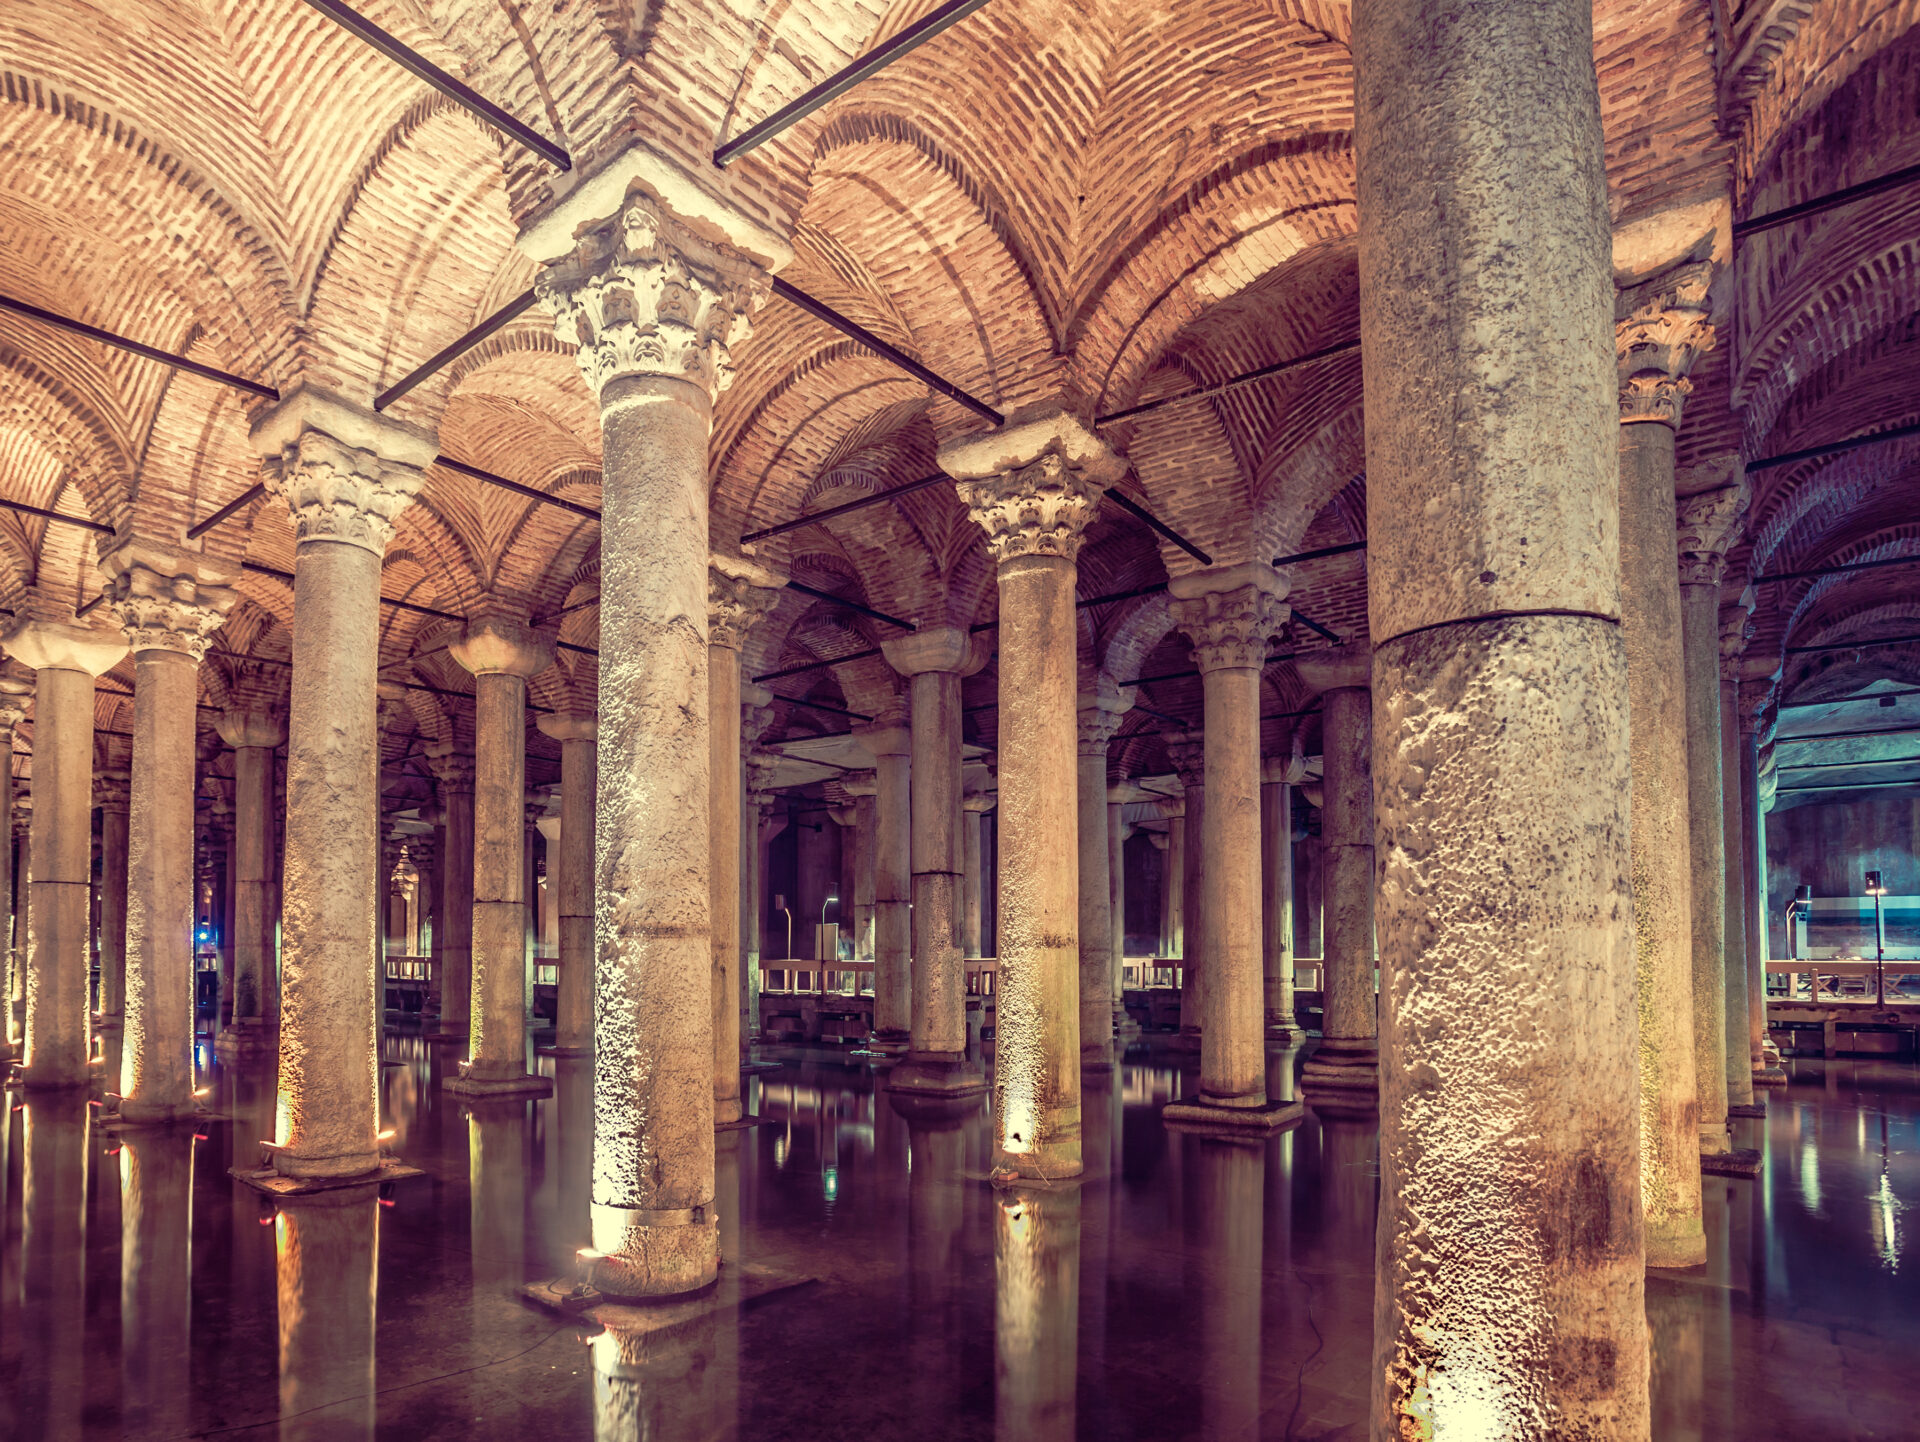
[(1186, 1039), (441, 1033), (1342, 1078), (1235, 1123), (890, 1043), (749, 1068), (1734, 1163), (1285, 1035), (1758, 1109), (525, 1084), (941, 1075), (141, 1116), (271, 1183), (643, 1253), (1714, 1142), (1097, 1057), (247, 1041), (741, 1123), (43, 1079), (1676, 1245), (1769, 1076), (558, 1050)]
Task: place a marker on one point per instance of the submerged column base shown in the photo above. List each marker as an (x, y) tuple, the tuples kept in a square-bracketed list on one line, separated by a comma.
[(517, 1084), (890, 1042), (248, 1039), (642, 1253), (1676, 1243), (1210, 1118), (937, 1074), (1343, 1078), (1097, 1056)]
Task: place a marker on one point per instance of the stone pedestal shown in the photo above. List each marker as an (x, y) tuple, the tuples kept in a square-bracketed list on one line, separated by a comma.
[(254, 735), (1509, 1293), (573, 1020), (1100, 713), (65, 660), (892, 749)]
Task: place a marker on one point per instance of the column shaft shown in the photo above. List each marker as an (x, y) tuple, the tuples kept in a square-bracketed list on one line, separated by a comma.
[(1706, 857), (892, 896), (1194, 938), (723, 763), (1276, 892), (9, 933), (574, 1031), (1753, 824), (1233, 1070), (1117, 908), (866, 829), (113, 905), (60, 879), (939, 991), (1739, 1062), (970, 882), (253, 959), (1343, 1072), (1173, 879), (1096, 911), (454, 961)]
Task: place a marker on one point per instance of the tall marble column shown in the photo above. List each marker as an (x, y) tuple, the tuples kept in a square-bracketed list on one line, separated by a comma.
[(654, 308), (345, 475), (253, 734), (760, 767), (1276, 876), (739, 593), (1034, 488), (501, 652), (573, 887), (21, 829), (113, 795), (1187, 754), (1117, 833), (976, 805), (453, 774), (169, 601), (65, 659), (934, 659), (1100, 713), (14, 693), (1740, 1095), (1756, 729), (864, 788), (1173, 866), (1661, 326), (1228, 615), (892, 750), (1707, 523), (1509, 1298), (1343, 1073)]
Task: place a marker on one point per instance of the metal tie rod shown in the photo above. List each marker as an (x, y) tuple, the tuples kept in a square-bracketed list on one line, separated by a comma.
[(822, 312), (147, 352), (1847, 195), (1233, 383), (1833, 448), (832, 512), (493, 324), (1127, 503)]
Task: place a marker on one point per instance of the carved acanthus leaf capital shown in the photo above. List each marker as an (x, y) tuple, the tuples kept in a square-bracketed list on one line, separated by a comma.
[(738, 595), (113, 791), (338, 492), (15, 693), (1099, 719), (1660, 330), (1041, 509), (1706, 527), (641, 295), (1231, 628), (1187, 754), (166, 599), (452, 768)]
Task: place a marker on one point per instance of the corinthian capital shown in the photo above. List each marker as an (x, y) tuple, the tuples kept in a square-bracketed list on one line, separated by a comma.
[(739, 593), (1100, 712), (1034, 487), (344, 472), (642, 295), (15, 693), (166, 598), (1229, 614), (1660, 329), (1707, 524)]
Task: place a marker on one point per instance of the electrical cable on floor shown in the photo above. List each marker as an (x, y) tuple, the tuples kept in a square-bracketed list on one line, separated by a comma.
[(1300, 1378)]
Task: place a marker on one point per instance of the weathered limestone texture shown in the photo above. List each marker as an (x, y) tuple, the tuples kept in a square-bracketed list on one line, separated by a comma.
[(169, 601), (1708, 522), (936, 658), (1187, 754), (1229, 615), (1117, 833), (739, 593), (1100, 713), (1738, 1056), (654, 309), (1034, 486), (864, 788), (1756, 729), (573, 1002), (1508, 1295), (113, 796), (502, 652), (453, 774), (973, 878), (345, 474), (1276, 891), (253, 735), (14, 694), (891, 748), (65, 659)]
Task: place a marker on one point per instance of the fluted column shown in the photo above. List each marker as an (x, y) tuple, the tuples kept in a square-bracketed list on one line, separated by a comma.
[(113, 795), (1100, 712), (14, 693), (934, 659), (1276, 863), (169, 601), (1509, 1292), (1034, 488), (891, 748), (653, 308), (739, 593), (345, 475), (573, 885), (453, 774), (65, 659), (1186, 753), (1707, 522)]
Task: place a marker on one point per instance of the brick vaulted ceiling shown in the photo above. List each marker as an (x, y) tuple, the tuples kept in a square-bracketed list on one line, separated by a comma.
[(1110, 200)]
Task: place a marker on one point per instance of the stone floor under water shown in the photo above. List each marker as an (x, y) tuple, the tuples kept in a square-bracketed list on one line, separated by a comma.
[(876, 1285)]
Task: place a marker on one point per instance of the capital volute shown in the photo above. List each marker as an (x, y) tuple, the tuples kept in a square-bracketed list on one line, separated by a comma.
[(344, 471), (739, 593), (1229, 614), (1100, 712), (1660, 329), (113, 790), (15, 693), (564, 726)]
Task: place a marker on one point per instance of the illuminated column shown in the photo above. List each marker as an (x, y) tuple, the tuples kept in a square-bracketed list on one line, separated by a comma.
[(573, 1020), (1509, 1292), (253, 735), (1173, 862), (1343, 1073), (1187, 754), (864, 788), (327, 1270), (976, 807), (345, 474), (1036, 1327), (739, 593), (65, 659), (756, 715), (113, 794), (1708, 521), (156, 1282), (1117, 833), (169, 601), (891, 748), (1740, 1096), (453, 943), (1100, 714), (1756, 730), (653, 308), (757, 831), (1276, 891), (13, 710), (501, 653), (1228, 616), (1035, 488), (935, 659)]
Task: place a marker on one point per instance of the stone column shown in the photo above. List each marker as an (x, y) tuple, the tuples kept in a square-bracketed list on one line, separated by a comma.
[(739, 593), (1509, 1294), (22, 917), (113, 794), (1276, 890), (1173, 875), (65, 659), (864, 788), (345, 474), (758, 803), (501, 652), (1661, 326), (1117, 833), (453, 952), (1740, 1096), (1034, 488), (1756, 729), (573, 884), (13, 710), (1342, 1074), (253, 735), (1187, 753), (169, 601), (934, 659), (976, 806), (891, 748), (1707, 523), (1228, 615), (654, 309), (1100, 713)]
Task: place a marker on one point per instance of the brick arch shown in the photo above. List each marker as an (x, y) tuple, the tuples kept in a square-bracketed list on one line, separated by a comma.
[(1312, 468), (66, 424), (195, 451), (1901, 540)]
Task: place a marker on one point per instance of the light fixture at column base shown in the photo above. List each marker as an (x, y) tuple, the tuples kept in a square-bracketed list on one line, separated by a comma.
[(1233, 1123), (523, 1085), (1737, 1163), (269, 1182), (1758, 1109)]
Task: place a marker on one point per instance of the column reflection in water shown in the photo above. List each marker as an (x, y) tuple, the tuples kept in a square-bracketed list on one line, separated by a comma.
[(1036, 1254), (1225, 1189), (572, 1115), (53, 1266), (1100, 1151), (328, 1250), (656, 1380), (497, 1172), (156, 1257), (937, 1196)]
